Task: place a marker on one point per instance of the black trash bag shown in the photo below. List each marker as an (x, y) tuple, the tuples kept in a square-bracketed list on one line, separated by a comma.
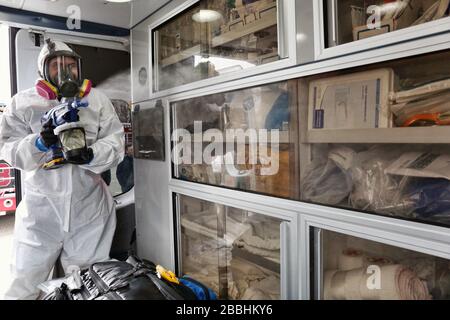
[(133, 279)]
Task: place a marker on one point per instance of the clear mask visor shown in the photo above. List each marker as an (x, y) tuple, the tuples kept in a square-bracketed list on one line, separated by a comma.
[(63, 69)]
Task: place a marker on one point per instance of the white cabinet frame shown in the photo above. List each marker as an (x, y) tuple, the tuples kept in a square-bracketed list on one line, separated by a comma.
[(419, 237), (287, 36), (424, 238), (301, 217), (254, 203), (397, 51), (380, 41)]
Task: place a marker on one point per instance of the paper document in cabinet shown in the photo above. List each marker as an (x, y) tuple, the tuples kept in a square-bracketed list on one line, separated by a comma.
[(423, 165), (354, 101)]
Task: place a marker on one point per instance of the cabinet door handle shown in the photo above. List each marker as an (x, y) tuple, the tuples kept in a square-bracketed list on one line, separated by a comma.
[(333, 21)]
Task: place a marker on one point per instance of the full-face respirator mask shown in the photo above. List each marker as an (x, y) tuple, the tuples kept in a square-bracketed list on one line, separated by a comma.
[(61, 74)]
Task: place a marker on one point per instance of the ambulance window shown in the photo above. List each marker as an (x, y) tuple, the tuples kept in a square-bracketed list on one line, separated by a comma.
[(121, 177), (5, 80), (7, 174)]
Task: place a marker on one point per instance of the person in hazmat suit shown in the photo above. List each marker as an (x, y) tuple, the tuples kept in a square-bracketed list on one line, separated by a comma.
[(67, 213)]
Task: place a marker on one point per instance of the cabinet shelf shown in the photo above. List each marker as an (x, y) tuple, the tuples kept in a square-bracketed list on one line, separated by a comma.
[(283, 138), (265, 22), (182, 55), (195, 229), (250, 28), (413, 135), (259, 261)]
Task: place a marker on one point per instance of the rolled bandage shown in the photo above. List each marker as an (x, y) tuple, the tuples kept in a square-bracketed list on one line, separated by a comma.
[(396, 282), (328, 293), (351, 259), (377, 261)]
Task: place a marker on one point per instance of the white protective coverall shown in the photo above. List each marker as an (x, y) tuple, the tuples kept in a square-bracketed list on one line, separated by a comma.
[(67, 212)]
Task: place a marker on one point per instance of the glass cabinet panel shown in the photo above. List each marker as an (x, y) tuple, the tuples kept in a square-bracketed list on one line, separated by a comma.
[(234, 252), (350, 268), (360, 19), (377, 139), (214, 37), (374, 139), (245, 139), (148, 130)]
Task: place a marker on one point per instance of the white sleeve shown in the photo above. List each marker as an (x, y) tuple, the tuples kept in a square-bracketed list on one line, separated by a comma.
[(17, 142), (109, 149)]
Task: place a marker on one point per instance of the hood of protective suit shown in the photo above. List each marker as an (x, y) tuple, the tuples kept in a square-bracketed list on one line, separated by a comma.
[(53, 48)]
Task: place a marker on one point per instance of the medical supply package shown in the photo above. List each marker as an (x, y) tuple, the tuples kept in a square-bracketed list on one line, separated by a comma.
[(353, 101)]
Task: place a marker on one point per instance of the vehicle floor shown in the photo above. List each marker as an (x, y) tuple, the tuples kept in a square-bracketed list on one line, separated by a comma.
[(6, 234)]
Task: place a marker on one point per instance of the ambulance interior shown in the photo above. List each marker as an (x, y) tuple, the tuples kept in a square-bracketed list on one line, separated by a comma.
[(308, 231), (104, 43)]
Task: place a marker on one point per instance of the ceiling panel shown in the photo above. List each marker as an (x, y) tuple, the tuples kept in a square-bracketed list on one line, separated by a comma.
[(123, 15), (115, 14), (143, 8), (12, 3)]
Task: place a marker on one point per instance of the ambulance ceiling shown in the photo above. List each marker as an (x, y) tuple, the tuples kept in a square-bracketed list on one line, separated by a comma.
[(124, 15)]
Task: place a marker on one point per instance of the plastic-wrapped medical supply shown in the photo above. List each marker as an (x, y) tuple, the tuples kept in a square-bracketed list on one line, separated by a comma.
[(328, 179), (406, 181), (421, 102), (412, 184), (432, 111), (422, 164), (352, 101), (424, 198), (424, 183), (373, 190)]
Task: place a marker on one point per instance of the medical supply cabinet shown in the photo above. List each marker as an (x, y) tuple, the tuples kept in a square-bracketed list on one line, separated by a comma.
[(296, 149)]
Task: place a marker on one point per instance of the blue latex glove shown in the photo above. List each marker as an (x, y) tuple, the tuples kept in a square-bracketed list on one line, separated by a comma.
[(67, 112)]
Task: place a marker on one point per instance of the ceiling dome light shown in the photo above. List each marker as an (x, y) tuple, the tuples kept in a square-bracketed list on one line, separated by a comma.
[(206, 16), (118, 1)]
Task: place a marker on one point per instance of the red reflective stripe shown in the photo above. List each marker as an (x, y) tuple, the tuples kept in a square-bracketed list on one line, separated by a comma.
[(5, 176)]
